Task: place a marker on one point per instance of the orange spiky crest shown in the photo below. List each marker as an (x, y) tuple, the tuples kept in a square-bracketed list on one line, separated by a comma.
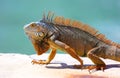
[(68, 22)]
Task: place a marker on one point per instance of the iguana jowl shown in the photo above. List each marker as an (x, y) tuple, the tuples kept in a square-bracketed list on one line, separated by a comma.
[(73, 37)]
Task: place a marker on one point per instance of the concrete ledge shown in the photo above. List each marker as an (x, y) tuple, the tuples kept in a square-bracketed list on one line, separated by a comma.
[(19, 66)]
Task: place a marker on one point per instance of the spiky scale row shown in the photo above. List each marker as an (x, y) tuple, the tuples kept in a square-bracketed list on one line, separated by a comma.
[(68, 22)]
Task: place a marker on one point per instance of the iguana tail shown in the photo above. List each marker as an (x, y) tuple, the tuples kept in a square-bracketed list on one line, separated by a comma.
[(113, 53)]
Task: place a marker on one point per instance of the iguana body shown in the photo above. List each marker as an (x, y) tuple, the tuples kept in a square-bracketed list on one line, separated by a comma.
[(72, 37)]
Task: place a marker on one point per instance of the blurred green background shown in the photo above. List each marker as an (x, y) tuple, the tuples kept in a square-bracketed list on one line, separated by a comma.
[(14, 14)]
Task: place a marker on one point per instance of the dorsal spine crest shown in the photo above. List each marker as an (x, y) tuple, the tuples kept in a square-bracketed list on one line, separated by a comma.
[(68, 22)]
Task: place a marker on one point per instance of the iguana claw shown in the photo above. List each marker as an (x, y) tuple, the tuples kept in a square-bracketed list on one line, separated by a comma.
[(39, 61)]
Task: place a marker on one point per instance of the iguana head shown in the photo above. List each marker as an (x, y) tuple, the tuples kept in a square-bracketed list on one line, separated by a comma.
[(37, 35), (34, 30)]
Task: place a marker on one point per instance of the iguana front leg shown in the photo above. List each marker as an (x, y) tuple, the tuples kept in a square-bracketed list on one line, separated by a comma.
[(94, 55), (50, 58), (69, 50), (42, 48)]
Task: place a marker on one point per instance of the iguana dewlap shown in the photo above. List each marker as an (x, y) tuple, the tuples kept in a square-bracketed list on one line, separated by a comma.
[(73, 37)]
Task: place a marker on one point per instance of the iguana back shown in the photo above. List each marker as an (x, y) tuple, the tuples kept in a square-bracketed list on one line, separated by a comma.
[(81, 41), (81, 37)]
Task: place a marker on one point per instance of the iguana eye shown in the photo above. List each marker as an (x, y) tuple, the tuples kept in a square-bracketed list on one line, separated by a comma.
[(36, 34), (41, 34)]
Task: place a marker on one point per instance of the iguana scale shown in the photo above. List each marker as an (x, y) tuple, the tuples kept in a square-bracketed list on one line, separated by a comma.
[(73, 37)]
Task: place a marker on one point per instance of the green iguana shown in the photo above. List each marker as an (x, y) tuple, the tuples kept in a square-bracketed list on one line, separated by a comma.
[(73, 37)]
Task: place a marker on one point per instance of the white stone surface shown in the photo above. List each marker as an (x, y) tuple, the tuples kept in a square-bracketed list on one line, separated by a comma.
[(19, 66)]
